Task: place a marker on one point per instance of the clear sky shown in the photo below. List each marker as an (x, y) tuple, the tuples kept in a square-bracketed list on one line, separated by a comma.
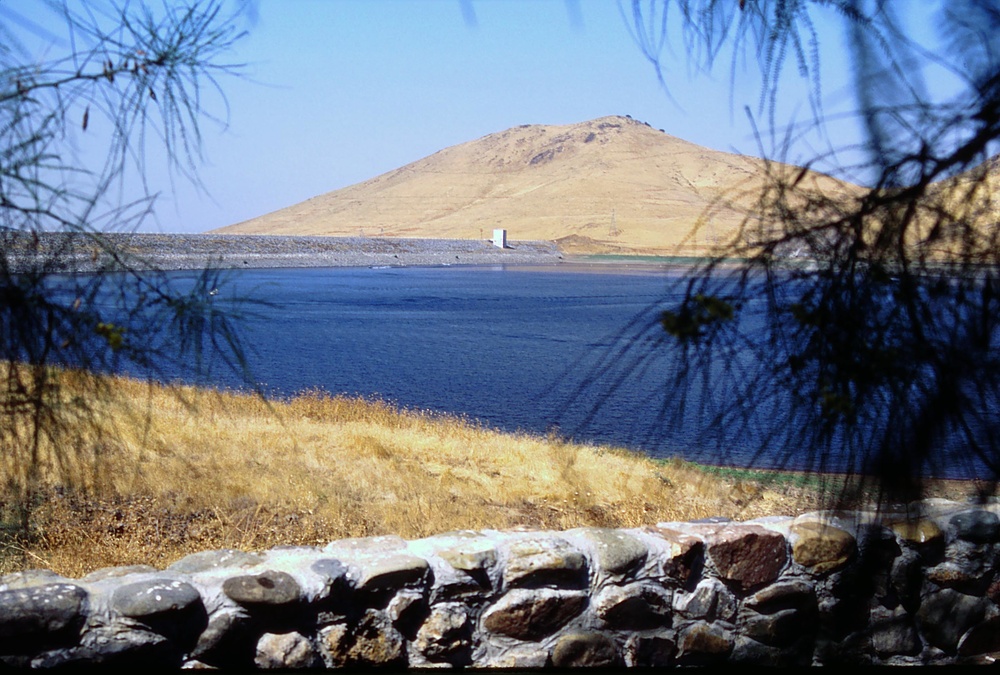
[(339, 91)]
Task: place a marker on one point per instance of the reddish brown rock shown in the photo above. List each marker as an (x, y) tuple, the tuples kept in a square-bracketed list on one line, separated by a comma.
[(748, 555), (533, 614)]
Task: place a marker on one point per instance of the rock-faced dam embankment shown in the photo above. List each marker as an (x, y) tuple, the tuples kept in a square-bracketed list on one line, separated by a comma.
[(909, 588), (80, 253)]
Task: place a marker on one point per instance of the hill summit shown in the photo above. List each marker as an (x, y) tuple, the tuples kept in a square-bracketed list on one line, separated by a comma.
[(613, 184)]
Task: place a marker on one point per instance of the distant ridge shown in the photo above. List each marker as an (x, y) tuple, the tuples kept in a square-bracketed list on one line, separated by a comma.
[(612, 184)]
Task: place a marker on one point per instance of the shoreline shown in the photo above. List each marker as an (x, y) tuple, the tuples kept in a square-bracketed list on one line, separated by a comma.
[(89, 253)]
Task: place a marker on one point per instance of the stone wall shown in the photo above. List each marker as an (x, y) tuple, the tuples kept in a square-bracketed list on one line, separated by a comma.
[(822, 588)]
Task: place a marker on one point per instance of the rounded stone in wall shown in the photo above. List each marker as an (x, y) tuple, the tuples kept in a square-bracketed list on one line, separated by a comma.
[(544, 561), (977, 526), (268, 588), (533, 614), (286, 650), (920, 532), (635, 606), (585, 650), (821, 547), (155, 596), (748, 556), (944, 617), (704, 642), (30, 614)]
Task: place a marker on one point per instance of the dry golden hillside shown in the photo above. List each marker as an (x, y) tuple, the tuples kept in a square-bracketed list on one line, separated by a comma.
[(610, 184), (959, 216)]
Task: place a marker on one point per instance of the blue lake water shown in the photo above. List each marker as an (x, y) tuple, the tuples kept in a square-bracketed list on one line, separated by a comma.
[(516, 348), (508, 347)]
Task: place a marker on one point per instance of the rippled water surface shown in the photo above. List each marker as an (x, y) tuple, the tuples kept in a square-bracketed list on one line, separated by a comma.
[(508, 347)]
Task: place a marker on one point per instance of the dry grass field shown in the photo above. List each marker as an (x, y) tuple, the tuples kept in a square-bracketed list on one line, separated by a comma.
[(185, 469)]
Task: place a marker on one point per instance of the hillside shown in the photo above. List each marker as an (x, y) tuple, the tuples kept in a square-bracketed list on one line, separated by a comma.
[(612, 184)]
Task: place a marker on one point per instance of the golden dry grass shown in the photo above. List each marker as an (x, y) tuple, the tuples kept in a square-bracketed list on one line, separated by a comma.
[(192, 469)]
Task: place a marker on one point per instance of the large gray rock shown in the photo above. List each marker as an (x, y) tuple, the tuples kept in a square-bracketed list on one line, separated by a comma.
[(227, 639), (614, 552), (638, 605), (463, 565), (472, 554), (750, 652), (945, 616), (710, 600), (267, 588), (544, 560), (210, 561), (286, 651), (532, 656), (446, 635), (390, 571), (983, 638), (793, 593), (112, 647), (366, 546), (153, 597), (977, 526), (334, 587), (778, 629), (892, 633), (37, 613), (117, 572), (906, 579)]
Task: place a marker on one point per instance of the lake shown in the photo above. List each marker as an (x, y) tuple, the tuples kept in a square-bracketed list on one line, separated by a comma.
[(517, 348), (506, 346)]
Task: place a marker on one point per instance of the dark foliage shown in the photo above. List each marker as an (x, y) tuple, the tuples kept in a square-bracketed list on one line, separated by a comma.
[(861, 321), (125, 79)]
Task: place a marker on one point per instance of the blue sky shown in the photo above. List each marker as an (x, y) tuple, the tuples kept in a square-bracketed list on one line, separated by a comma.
[(339, 91)]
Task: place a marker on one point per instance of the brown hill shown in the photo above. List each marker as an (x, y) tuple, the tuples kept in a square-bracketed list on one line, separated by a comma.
[(610, 184), (959, 216)]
